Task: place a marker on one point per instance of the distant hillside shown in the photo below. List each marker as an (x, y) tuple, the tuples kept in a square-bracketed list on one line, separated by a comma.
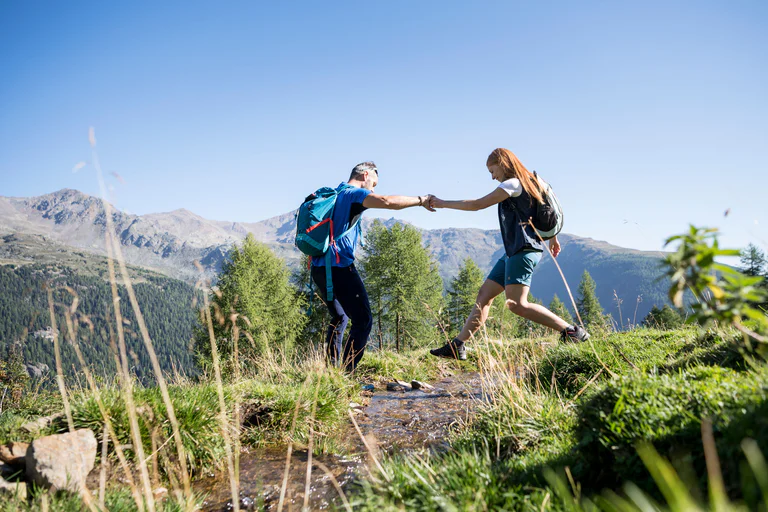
[(166, 304), (171, 242)]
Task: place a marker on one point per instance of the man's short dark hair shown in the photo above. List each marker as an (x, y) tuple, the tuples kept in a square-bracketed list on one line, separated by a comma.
[(359, 169)]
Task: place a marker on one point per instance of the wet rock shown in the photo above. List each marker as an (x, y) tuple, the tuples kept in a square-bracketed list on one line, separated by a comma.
[(247, 503), (14, 454), (415, 384), (399, 386), (41, 423), (13, 489), (62, 461), (355, 405)]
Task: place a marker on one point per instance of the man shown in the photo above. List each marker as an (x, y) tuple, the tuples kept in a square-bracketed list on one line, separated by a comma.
[(350, 297)]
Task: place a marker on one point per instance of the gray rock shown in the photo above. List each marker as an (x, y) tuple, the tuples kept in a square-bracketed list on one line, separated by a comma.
[(41, 423), (62, 461), (422, 385), (11, 489), (36, 371), (399, 385)]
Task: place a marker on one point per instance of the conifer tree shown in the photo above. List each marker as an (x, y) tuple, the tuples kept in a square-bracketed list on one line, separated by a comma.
[(558, 307), (663, 318), (589, 306), (373, 267), (255, 285), (403, 284), (753, 261), (316, 313), (462, 293)]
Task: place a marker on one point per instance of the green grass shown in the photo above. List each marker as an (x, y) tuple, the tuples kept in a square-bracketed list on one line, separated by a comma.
[(643, 351), (655, 387), (584, 407), (385, 366), (115, 500)]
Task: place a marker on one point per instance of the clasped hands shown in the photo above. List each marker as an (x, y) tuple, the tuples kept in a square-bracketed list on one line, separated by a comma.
[(431, 202)]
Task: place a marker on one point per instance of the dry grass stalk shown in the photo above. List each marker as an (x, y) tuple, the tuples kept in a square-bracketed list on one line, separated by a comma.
[(335, 483), (310, 443), (125, 378), (103, 471), (72, 334), (717, 494), (59, 371), (290, 448), (225, 429), (368, 447)]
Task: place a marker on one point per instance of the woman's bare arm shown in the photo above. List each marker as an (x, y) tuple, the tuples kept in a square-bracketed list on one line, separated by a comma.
[(472, 205)]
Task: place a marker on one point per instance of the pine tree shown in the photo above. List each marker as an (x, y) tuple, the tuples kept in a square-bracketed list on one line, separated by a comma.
[(589, 306), (403, 283), (255, 285), (374, 267), (558, 307), (664, 318), (462, 293), (753, 262), (316, 313)]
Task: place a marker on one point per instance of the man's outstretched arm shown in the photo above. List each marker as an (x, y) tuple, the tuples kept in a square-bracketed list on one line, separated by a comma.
[(395, 202)]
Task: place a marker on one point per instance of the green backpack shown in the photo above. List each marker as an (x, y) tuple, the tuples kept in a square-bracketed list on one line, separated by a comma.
[(314, 229)]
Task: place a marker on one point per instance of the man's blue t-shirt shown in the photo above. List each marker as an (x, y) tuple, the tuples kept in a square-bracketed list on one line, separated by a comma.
[(349, 207)]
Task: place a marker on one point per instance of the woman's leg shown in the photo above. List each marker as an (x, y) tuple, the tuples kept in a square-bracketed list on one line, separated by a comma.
[(479, 314), (517, 302)]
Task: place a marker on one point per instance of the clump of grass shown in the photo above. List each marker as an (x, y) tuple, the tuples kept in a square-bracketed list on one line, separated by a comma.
[(381, 366), (667, 411), (196, 412), (570, 367), (271, 404)]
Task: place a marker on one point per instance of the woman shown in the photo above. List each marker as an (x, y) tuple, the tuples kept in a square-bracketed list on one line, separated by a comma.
[(517, 196)]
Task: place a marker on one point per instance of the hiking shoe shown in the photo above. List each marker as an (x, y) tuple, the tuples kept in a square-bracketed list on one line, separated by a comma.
[(574, 333), (453, 350)]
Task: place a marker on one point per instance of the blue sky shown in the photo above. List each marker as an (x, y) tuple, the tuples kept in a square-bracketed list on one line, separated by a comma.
[(645, 116)]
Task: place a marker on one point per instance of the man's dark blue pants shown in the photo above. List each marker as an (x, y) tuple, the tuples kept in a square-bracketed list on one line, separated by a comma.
[(350, 303)]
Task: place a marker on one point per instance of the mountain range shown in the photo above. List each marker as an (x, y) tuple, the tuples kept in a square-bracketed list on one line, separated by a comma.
[(62, 224)]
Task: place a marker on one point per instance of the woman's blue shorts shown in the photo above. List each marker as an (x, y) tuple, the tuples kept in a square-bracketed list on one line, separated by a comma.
[(515, 269)]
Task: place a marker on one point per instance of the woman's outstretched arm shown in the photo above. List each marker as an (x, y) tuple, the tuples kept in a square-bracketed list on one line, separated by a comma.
[(471, 205)]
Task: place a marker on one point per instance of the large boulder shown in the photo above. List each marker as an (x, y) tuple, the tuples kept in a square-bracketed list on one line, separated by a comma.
[(62, 461)]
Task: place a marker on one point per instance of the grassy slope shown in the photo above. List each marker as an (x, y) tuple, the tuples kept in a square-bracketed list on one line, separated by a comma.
[(586, 407)]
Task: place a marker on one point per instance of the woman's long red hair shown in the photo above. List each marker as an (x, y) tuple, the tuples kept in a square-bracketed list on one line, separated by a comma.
[(514, 168)]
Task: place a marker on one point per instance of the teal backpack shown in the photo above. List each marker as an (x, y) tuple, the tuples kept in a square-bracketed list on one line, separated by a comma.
[(314, 229)]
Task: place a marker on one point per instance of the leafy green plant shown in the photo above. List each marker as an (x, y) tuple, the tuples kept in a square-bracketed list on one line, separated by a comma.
[(722, 294)]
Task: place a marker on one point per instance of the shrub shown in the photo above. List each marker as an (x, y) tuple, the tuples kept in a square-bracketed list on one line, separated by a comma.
[(667, 410)]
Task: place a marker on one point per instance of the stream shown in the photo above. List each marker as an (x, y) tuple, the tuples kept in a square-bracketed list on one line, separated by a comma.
[(392, 422)]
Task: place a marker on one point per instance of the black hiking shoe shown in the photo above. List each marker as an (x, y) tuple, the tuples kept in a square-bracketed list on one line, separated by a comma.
[(574, 333), (453, 350)]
